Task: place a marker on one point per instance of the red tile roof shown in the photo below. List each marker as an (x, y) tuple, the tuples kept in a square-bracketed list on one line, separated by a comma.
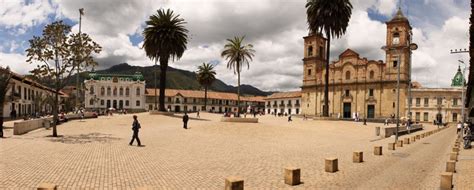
[(283, 95), (200, 94)]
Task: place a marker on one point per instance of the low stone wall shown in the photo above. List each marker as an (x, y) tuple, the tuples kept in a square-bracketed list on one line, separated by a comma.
[(156, 112), (389, 131), (26, 126), (78, 116), (239, 120)]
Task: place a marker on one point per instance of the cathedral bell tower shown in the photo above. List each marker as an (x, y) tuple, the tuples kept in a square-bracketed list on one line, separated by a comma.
[(314, 58), (397, 48)]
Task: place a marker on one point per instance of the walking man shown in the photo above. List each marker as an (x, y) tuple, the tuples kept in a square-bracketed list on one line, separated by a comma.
[(197, 114), (289, 118), (135, 127), (185, 120)]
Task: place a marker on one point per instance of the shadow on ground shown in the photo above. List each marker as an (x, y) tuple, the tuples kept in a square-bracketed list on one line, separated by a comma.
[(84, 138)]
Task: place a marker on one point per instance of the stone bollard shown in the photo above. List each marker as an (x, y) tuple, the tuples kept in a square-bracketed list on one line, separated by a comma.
[(292, 176), (358, 157), (412, 139), (406, 141), (378, 150), (331, 165), (455, 149), (453, 156), (399, 143), (377, 131), (451, 166), (417, 137), (47, 186), (446, 181), (391, 146), (234, 183), (422, 135)]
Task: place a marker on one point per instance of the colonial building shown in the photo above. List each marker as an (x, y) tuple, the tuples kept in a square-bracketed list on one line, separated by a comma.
[(26, 97), (193, 100), (358, 85), (118, 91), (283, 103)]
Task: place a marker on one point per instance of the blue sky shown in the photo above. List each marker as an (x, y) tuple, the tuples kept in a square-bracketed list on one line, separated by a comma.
[(438, 26)]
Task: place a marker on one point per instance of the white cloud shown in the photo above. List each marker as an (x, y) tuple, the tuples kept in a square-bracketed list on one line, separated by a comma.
[(24, 15), (16, 62)]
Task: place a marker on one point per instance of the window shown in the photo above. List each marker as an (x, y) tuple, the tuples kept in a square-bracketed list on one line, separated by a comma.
[(439, 101), (91, 102), (348, 75), (455, 101), (127, 103), (127, 91), (395, 63), (310, 51), (371, 92), (121, 91), (371, 75), (138, 103), (455, 117), (346, 93), (109, 91), (309, 72), (102, 102), (396, 38), (102, 91), (418, 100), (185, 100), (138, 91), (426, 103), (169, 99), (417, 116), (91, 90), (297, 102), (425, 116), (321, 51), (393, 105), (115, 91)]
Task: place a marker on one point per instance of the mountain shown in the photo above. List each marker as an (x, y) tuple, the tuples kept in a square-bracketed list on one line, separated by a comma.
[(175, 79)]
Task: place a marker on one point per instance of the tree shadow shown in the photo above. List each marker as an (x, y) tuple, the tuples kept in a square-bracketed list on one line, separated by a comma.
[(84, 138)]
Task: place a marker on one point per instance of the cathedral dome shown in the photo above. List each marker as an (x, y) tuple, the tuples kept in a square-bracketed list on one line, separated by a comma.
[(458, 79)]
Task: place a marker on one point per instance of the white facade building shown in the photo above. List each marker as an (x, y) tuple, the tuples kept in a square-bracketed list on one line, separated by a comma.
[(105, 91), (283, 103)]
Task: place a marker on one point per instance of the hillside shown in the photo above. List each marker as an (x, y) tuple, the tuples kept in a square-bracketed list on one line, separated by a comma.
[(176, 79)]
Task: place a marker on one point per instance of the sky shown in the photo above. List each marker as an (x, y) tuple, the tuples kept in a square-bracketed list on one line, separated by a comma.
[(275, 27)]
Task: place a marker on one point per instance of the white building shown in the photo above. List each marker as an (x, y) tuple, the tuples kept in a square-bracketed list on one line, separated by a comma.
[(105, 91), (283, 103), (26, 97)]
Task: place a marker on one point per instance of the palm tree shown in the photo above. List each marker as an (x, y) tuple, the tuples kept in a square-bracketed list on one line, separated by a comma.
[(206, 75), (5, 76), (333, 17), (165, 37), (470, 83), (237, 55)]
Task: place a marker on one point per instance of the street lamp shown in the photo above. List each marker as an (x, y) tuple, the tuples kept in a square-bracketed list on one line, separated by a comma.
[(462, 96)]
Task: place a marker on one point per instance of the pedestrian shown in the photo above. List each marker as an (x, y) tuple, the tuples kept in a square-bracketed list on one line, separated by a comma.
[(135, 127), (289, 118), (197, 114), (386, 122), (365, 121), (185, 120), (459, 127)]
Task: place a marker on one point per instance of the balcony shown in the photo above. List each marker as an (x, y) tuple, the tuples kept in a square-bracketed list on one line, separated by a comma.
[(288, 105), (274, 105), (282, 105), (297, 105)]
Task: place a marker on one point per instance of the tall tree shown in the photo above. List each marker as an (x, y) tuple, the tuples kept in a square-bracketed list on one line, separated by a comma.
[(237, 54), (206, 75), (5, 76), (57, 53), (165, 37), (470, 83), (332, 17)]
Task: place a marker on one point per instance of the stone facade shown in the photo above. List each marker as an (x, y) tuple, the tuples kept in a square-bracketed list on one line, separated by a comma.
[(428, 102), (104, 91), (283, 103), (357, 85)]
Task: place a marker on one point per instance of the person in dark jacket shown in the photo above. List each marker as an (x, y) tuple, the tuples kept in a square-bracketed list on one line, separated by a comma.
[(135, 127), (185, 120)]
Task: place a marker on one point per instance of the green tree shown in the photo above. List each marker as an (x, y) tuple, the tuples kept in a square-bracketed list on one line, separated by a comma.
[(57, 54), (237, 55), (206, 75), (5, 76), (165, 37), (332, 17)]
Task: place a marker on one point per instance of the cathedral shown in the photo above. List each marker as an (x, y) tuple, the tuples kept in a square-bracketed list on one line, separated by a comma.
[(358, 86)]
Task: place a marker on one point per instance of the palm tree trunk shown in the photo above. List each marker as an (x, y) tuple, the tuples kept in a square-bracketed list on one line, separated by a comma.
[(156, 98), (326, 78), (205, 98), (238, 92), (163, 67), (1, 118), (470, 83)]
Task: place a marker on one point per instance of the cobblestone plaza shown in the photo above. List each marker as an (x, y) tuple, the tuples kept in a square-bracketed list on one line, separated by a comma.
[(94, 154)]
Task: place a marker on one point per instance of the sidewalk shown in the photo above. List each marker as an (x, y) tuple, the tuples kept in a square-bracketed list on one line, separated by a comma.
[(464, 176)]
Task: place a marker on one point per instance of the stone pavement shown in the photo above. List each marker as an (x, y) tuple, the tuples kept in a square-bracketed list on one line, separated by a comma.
[(464, 176), (94, 154)]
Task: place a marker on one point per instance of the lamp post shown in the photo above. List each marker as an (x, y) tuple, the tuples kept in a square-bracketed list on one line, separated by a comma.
[(78, 91), (463, 99)]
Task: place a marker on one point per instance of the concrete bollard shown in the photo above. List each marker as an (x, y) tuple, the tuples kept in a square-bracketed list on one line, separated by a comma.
[(418, 137), (422, 135), (391, 146), (378, 150), (446, 181), (412, 139), (331, 165), (47, 186), (292, 176), (453, 156), (377, 131), (358, 157), (455, 149), (406, 141), (451, 166), (399, 143), (234, 183)]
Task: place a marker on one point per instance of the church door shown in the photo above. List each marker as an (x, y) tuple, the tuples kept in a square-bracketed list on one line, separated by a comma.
[(347, 110), (370, 111)]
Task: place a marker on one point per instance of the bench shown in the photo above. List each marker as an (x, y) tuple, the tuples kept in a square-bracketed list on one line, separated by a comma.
[(22, 127)]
